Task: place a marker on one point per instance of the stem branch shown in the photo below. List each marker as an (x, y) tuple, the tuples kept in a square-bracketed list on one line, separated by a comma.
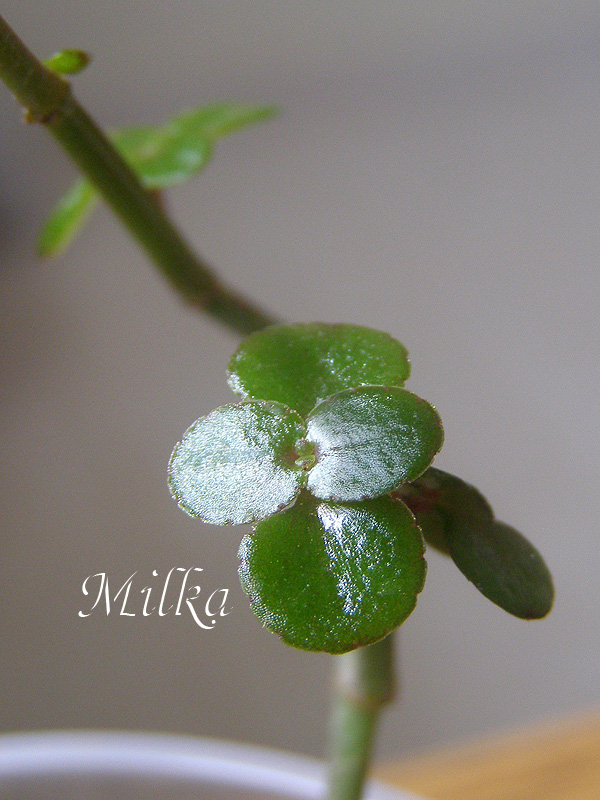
[(365, 683), (48, 100)]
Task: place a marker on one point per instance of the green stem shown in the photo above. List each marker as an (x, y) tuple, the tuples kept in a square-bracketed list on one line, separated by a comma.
[(365, 683), (365, 680), (47, 99)]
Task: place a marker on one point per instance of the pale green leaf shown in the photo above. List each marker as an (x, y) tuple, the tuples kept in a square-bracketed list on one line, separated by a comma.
[(68, 62), (369, 440), (162, 156), (66, 219), (240, 463)]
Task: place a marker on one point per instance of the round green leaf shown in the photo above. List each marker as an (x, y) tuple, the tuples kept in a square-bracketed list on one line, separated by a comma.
[(453, 495), (239, 464), (302, 364), (334, 577), (503, 565), (369, 440)]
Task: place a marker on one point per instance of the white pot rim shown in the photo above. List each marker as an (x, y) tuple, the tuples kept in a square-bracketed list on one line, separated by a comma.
[(157, 755)]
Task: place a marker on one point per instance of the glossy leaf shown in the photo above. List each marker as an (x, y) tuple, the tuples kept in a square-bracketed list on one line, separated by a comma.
[(239, 464), (162, 156), (68, 62), (301, 365), (334, 577), (67, 218), (503, 565), (369, 440)]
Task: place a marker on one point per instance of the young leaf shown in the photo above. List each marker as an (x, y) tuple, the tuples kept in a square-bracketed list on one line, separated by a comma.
[(301, 365), (165, 156), (221, 120), (239, 464), (67, 218), (161, 156), (68, 62), (453, 495), (369, 440), (503, 565), (332, 577), (435, 497)]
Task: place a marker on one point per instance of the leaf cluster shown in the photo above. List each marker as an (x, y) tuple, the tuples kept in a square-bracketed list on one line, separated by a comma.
[(328, 456)]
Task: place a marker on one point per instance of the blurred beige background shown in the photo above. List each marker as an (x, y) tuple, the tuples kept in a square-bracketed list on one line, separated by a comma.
[(436, 173)]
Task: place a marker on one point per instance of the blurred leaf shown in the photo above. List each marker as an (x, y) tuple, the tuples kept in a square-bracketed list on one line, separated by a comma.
[(334, 577), (238, 464), (161, 156), (369, 440), (221, 120), (68, 62), (458, 520), (301, 365), (503, 565), (67, 218)]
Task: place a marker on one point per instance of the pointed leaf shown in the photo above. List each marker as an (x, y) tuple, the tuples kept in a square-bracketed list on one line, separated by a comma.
[(169, 154), (68, 62), (67, 218), (503, 565), (301, 365), (161, 156), (239, 464), (221, 120), (334, 577), (369, 440)]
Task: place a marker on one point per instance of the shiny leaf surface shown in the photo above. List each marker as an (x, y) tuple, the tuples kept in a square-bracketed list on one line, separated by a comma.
[(334, 577), (239, 464), (301, 365), (369, 440)]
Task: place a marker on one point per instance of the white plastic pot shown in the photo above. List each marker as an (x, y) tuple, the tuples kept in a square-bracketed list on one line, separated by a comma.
[(86, 765)]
